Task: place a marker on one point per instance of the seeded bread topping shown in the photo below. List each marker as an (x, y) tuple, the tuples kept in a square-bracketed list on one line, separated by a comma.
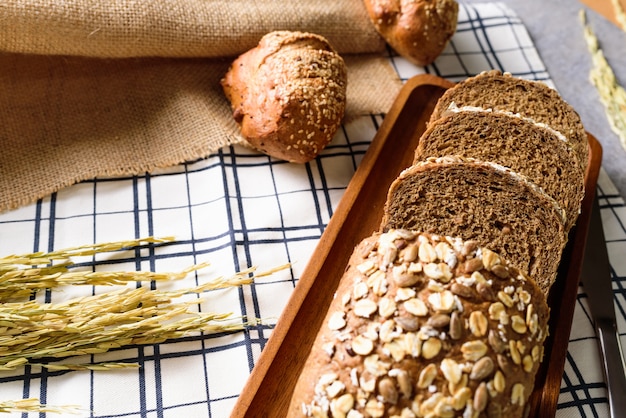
[(288, 94), (530, 149), (425, 326), (532, 99), (485, 202)]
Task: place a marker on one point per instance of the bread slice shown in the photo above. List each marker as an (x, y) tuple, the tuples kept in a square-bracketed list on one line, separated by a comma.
[(482, 201), (533, 150), (425, 325), (532, 99)]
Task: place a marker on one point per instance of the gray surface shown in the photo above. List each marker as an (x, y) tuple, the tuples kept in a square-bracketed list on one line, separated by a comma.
[(557, 33)]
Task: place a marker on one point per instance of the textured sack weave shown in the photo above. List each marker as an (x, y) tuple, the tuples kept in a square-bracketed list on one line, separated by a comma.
[(109, 87), (176, 28)]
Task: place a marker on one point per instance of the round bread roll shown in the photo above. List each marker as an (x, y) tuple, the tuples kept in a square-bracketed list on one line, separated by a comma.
[(288, 94), (418, 30), (425, 326)]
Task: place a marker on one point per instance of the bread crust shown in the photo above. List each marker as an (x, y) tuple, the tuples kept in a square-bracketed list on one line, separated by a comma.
[(452, 330), (418, 30), (288, 94)]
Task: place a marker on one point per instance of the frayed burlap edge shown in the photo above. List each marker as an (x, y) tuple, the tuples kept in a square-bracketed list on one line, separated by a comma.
[(121, 117)]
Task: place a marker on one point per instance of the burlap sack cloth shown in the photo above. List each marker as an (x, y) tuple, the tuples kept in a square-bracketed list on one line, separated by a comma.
[(92, 88)]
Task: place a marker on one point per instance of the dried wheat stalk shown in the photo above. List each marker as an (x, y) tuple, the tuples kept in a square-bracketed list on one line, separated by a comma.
[(33, 405), (31, 330)]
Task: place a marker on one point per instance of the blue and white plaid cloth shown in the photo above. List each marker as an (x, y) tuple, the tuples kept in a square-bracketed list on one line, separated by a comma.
[(237, 209)]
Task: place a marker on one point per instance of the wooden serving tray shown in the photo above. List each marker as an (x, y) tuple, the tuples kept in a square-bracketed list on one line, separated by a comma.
[(268, 390)]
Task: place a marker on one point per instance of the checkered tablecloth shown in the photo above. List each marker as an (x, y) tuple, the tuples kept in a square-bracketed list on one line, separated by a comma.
[(237, 209)]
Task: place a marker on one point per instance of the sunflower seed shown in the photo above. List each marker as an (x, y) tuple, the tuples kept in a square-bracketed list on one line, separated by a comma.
[(499, 381), (500, 271), (407, 322), (469, 247), (482, 369), (463, 291), (485, 291), (387, 390), (405, 279), (409, 254), (438, 320), (456, 326), (472, 264), (496, 342), (481, 396)]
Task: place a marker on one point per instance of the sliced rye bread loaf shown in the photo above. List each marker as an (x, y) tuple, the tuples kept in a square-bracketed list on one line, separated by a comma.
[(533, 99), (533, 150), (482, 201), (424, 326)]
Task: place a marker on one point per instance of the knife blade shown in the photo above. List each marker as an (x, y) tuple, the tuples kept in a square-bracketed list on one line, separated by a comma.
[(597, 284)]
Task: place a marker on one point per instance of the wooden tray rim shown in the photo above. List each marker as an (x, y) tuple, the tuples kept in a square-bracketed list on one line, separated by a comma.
[(544, 399)]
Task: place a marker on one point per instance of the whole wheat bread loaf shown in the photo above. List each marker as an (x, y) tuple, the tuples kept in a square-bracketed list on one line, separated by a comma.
[(533, 99), (531, 149), (424, 325), (485, 202)]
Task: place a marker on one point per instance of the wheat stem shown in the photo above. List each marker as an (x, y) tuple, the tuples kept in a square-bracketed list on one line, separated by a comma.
[(33, 405), (31, 330)]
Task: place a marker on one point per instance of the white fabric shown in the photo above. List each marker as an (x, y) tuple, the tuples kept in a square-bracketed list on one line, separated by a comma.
[(238, 209)]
